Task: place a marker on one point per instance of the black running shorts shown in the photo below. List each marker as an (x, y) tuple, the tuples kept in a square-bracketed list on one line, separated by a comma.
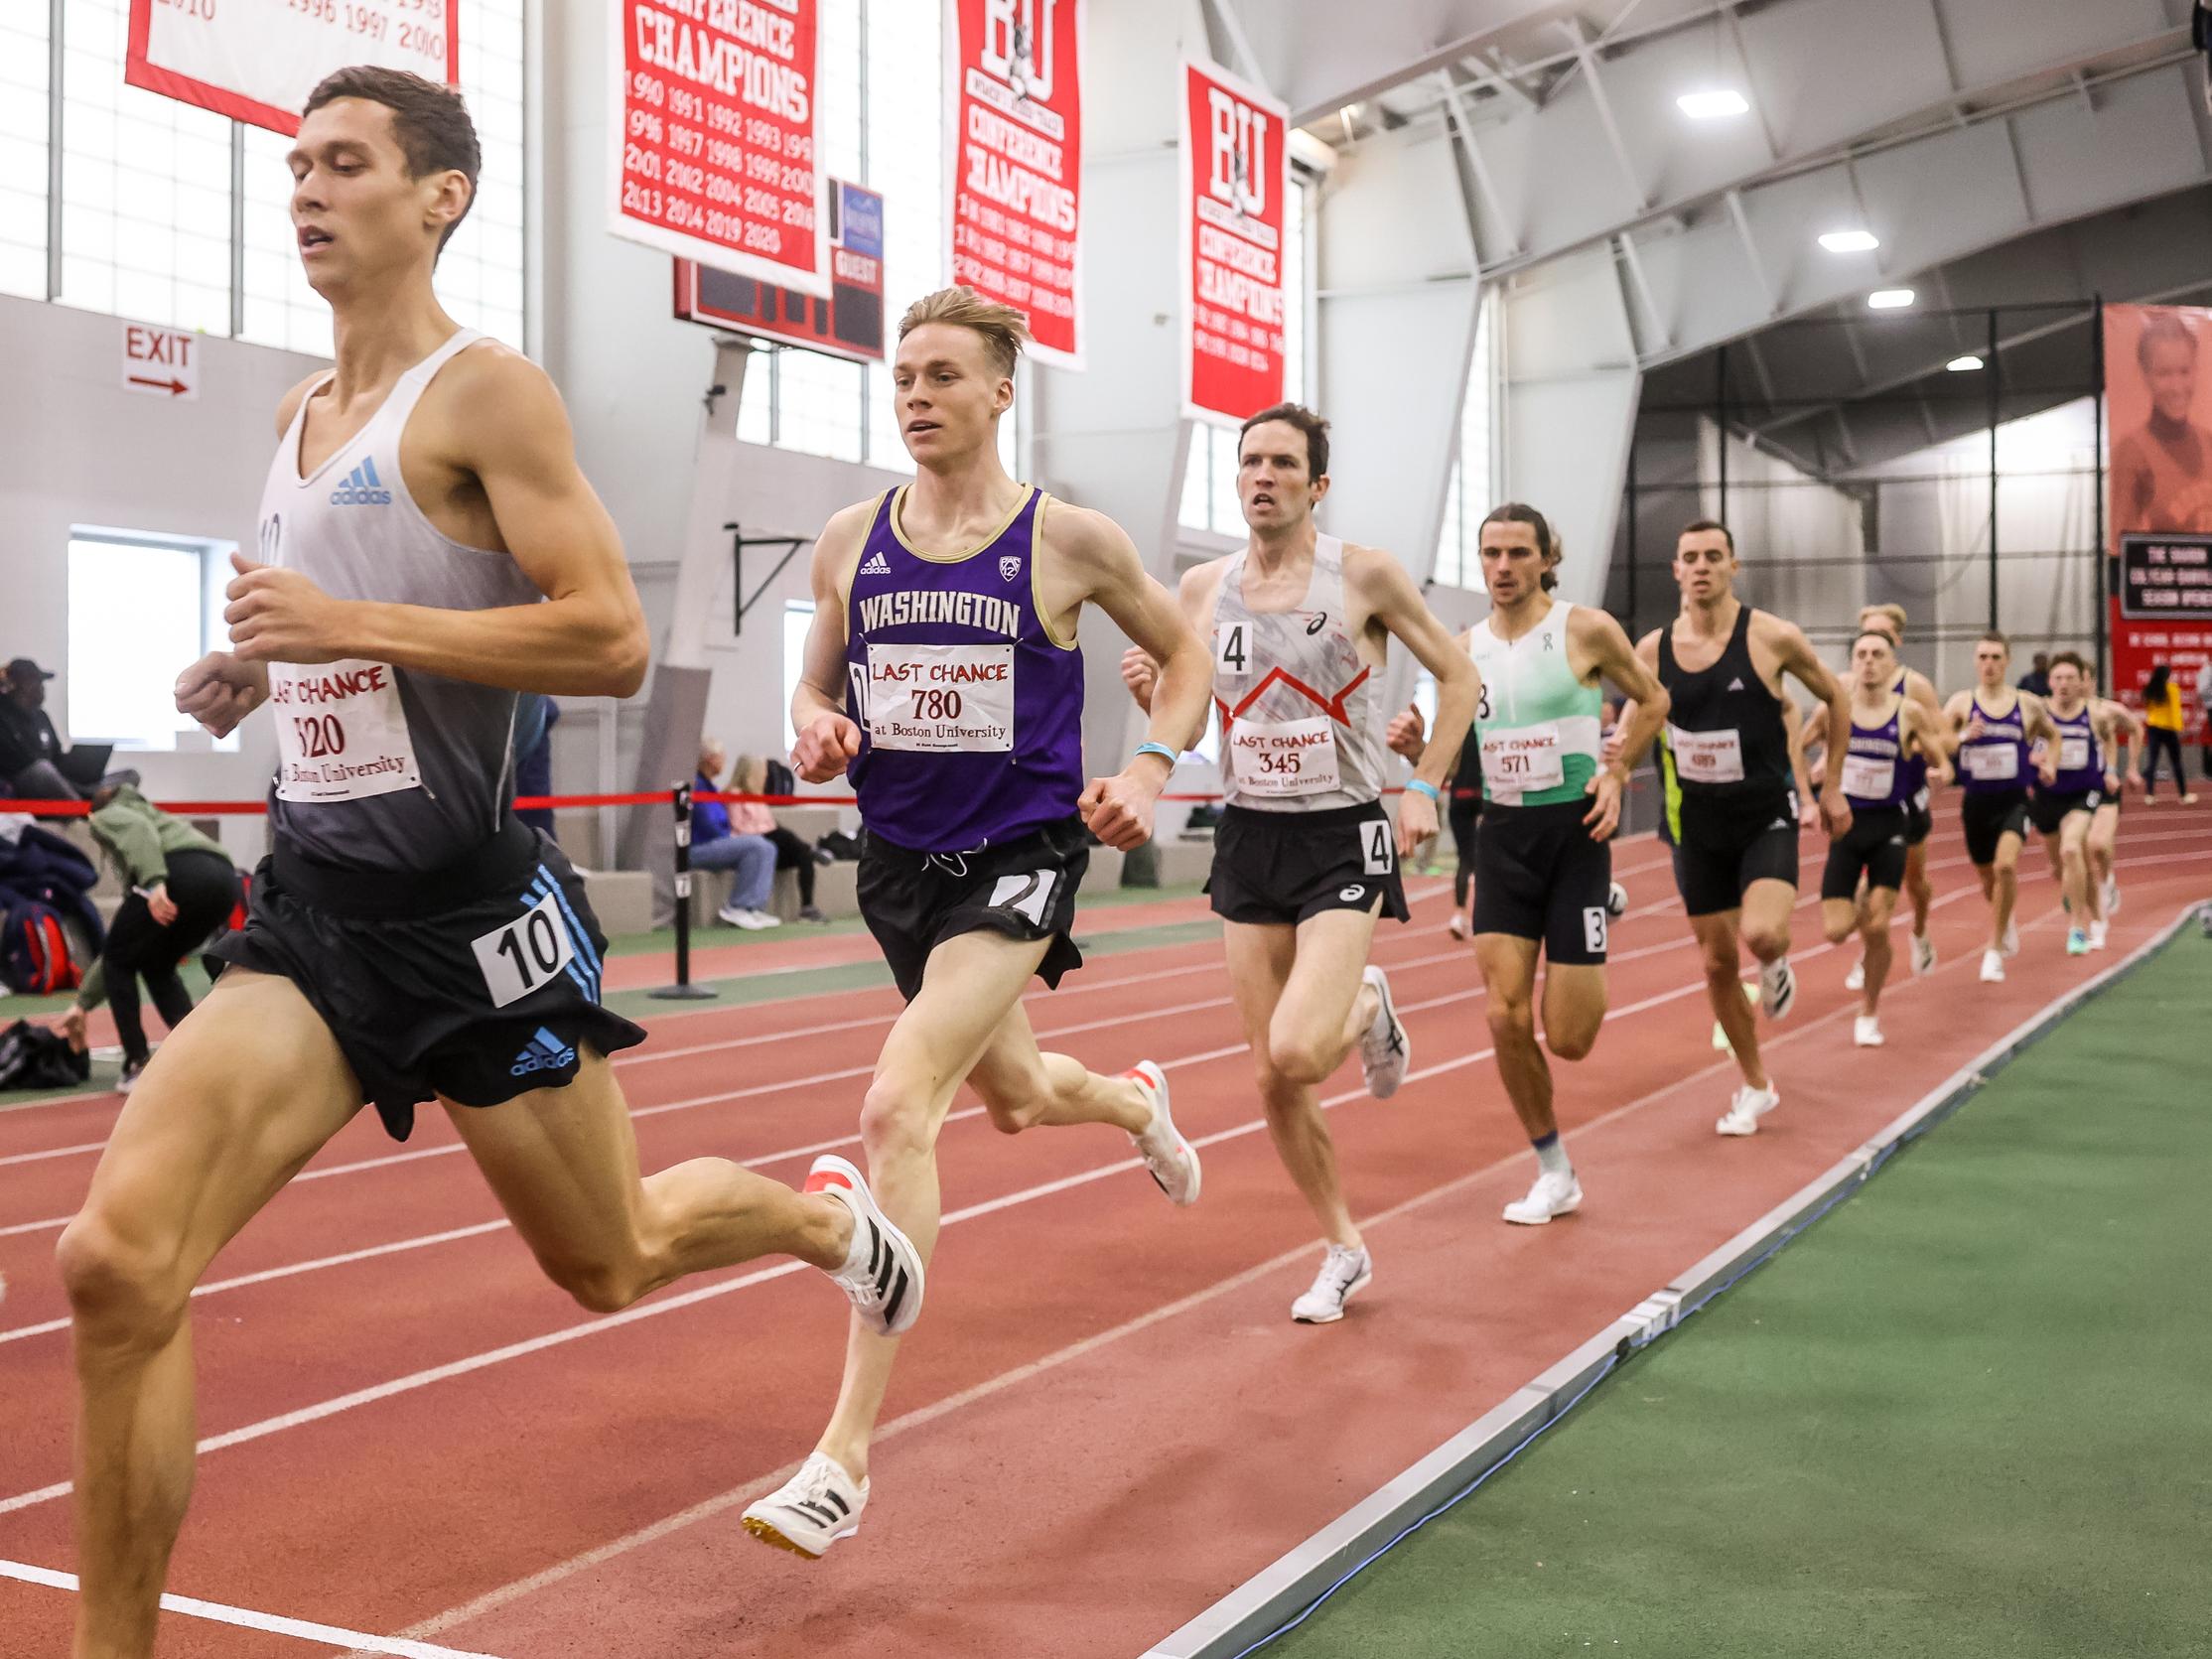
[(1919, 817), (477, 982), (1539, 876), (1988, 816), (1876, 846), (1024, 888), (2046, 810), (1276, 868), (1716, 868)]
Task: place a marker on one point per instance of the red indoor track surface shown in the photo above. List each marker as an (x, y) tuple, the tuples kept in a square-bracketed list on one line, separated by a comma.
[(1105, 1420)]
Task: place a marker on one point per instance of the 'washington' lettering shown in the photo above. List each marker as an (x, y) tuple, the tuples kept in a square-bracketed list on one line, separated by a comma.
[(961, 609)]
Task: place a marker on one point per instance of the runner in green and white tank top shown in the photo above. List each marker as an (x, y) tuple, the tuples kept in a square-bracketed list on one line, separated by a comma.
[(1538, 724)]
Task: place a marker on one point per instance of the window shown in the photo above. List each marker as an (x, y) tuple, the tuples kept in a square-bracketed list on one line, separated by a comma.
[(1209, 479), (798, 620), (124, 656), (1473, 490), (150, 225)]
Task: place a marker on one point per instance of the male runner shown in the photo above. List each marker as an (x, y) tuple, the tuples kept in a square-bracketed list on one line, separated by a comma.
[(1991, 726), (1301, 623), (427, 549), (1730, 800), (1888, 729), (1543, 878), (1889, 620), (2064, 809), (942, 673), (2131, 733)]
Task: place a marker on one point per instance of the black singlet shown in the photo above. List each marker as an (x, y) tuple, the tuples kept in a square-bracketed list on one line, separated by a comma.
[(1746, 785)]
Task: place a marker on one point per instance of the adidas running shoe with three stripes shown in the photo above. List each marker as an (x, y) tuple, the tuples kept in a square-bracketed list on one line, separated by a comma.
[(883, 1274), (810, 1511)]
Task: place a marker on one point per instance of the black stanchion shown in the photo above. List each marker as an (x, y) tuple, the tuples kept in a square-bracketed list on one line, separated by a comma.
[(683, 989)]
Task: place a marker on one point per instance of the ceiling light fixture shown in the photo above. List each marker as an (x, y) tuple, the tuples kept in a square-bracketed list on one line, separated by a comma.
[(1849, 242), (1889, 299), (1707, 106), (1963, 365)]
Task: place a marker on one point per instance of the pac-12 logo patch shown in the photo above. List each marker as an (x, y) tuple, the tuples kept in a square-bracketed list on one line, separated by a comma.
[(1009, 565)]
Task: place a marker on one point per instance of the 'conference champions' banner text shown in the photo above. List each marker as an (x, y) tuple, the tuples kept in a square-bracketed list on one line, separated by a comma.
[(1235, 178), (257, 60)]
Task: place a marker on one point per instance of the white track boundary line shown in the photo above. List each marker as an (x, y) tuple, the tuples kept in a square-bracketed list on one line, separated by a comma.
[(247, 1618)]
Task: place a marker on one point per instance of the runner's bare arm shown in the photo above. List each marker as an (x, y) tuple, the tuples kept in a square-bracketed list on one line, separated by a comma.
[(1801, 769), (1797, 659), (827, 738), (1107, 571), (1598, 641), (1392, 600), (1195, 593), (588, 639), (1407, 733)]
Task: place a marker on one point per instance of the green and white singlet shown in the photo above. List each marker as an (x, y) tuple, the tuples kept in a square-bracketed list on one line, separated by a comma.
[(1538, 724)]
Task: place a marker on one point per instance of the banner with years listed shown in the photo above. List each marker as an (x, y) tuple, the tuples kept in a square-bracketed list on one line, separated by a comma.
[(1235, 180)]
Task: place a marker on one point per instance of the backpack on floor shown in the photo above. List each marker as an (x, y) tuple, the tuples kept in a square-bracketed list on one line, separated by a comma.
[(35, 958), (32, 1058), (779, 781)]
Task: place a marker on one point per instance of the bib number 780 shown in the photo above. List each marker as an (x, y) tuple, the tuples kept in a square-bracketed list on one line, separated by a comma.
[(517, 958)]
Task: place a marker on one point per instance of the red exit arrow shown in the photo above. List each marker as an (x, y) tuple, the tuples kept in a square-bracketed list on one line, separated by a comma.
[(176, 389)]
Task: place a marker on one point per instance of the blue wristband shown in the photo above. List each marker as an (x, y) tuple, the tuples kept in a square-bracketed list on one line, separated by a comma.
[(1424, 786), (1159, 748)]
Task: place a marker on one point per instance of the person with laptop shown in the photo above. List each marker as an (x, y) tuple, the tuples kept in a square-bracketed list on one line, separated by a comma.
[(35, 764)]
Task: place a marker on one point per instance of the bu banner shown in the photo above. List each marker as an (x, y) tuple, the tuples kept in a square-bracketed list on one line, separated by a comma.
[(712, 125), (2158, 395), (1013, 96), (849, 324), (1235, 179), (257, 60)]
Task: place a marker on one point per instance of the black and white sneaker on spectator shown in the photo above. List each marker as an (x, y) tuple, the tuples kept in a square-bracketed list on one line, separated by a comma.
[(1344, 1272), (810, 1511), (1385, 1051), (882, 1273)]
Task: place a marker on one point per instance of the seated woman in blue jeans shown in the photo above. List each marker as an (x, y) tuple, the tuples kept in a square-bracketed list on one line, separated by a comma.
[(751, 857)]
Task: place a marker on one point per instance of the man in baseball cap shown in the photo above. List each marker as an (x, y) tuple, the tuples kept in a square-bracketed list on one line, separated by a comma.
[(30, 748)]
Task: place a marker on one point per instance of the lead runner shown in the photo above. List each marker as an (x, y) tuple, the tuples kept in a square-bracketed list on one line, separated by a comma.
[(942, 672)]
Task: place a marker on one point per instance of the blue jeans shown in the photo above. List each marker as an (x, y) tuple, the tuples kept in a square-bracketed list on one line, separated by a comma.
[(752, 857)]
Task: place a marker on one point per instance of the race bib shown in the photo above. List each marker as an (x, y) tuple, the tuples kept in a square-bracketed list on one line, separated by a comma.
[(517, 958), (1707, 756), (1991, 762), (2073, 754), (939, 699), (1283, 760), (342, 732), (1869, 777), (1519, 758)]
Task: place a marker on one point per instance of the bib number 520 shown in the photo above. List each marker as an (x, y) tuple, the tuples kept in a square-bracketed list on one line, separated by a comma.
[(517, 958)]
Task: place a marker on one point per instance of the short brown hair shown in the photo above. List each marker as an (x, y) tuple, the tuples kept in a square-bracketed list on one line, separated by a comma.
[(1005, 330), (1297, 415), (1696, 524), (1992, 637), (430, 121), (2073, 661)]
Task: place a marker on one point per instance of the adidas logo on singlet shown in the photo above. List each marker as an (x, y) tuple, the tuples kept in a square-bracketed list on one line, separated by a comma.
[(361, 488), (876, 564)]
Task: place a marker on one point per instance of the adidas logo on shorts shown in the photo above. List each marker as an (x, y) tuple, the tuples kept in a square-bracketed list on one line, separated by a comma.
[(543, 1052), (876, 564)]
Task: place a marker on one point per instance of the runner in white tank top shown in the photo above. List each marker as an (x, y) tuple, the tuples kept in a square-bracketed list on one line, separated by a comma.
[(1306, 858), (431, 549)]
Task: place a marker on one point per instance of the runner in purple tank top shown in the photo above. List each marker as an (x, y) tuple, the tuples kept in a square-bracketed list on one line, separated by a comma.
[(1991, 726), (942, 675)]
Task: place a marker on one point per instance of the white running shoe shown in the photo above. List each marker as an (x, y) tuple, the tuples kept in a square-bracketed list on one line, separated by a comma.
[(1554, 1193), (1343, 1272), (1993, 967), (1385, 1051), (2010, 943), (1777, 988), (1923, 953), (1865, 1031), (1747, 1108), (1617, 902), (2112, 896), (1457, 925), (1856, 980), (882, 1274), (1168, 1159), (2097, 933), (733, 914), (810, 1511)]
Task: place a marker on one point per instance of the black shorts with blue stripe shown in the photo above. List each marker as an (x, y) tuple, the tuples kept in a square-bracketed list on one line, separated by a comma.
[(475, 983)]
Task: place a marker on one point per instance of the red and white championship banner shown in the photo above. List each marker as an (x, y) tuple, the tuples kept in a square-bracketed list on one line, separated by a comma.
[(257, 60), (712, 129), (1013, 95), (1235, 180)]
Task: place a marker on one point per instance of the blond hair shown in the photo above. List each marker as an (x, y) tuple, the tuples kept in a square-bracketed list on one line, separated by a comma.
[(1895, 613), (1004, 330)]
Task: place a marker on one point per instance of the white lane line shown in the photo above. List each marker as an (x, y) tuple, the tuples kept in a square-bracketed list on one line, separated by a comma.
[(247, 1618)]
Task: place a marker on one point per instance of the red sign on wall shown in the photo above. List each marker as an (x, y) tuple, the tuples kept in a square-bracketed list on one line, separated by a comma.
[(1235, 180), (257, 60), (2158, 399), (1013, 95), (712, 131)]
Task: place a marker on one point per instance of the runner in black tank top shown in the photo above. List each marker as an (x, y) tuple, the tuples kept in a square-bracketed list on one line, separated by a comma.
[(1731, 806)]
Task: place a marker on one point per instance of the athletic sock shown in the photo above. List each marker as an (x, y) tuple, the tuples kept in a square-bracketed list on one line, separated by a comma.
[(1550, 1153)]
